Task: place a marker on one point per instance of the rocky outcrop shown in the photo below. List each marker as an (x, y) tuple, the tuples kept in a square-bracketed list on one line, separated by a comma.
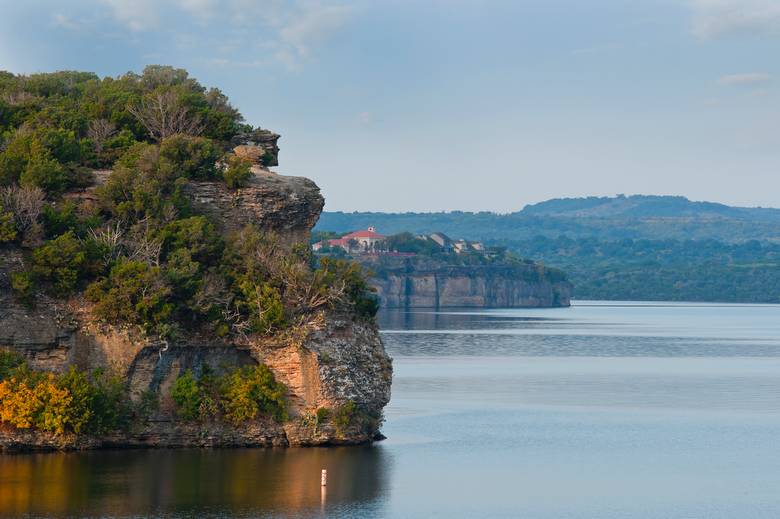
[(332, 360), (428, 284), (286, 206), (260, 146), (283, 205)]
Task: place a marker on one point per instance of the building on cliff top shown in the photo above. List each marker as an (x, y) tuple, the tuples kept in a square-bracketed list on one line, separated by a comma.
[(356, 242), (456, 246)]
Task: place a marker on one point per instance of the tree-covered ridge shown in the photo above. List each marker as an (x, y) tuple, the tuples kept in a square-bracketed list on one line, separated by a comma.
[(136, 249), (663, 270), (645, 206)]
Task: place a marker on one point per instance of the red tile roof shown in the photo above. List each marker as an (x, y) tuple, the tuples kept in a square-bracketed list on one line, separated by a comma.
[(364, 234)]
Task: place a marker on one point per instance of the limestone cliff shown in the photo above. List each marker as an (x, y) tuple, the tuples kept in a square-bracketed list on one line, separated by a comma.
[(421, 282), (334, 359)]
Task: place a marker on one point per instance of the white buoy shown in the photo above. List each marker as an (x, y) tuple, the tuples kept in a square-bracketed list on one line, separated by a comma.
[(324, 479)]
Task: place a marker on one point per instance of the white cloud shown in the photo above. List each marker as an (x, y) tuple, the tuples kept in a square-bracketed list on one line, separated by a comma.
[(311, 23), (715, 18), (137, 15), (752, 79), (241, 33), (201, 9), (60, 20), (286, 30)]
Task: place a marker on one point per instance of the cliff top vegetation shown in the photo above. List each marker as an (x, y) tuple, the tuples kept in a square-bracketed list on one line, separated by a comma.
[(136, 251)]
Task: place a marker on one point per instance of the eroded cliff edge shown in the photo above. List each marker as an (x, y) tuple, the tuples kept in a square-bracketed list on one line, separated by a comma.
[(335, 359)]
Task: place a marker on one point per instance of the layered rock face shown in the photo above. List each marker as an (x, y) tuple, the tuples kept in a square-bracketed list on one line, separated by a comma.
[(329, 362), (428, 285), (286, 206)]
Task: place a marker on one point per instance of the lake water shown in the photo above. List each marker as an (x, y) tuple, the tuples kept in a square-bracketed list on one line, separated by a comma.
[(608, 410)]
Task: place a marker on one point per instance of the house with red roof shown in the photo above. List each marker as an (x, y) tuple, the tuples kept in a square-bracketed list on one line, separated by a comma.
[(355, 242)]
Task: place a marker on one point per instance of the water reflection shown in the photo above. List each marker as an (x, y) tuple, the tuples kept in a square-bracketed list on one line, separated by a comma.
[(192, 483), (586, 330)]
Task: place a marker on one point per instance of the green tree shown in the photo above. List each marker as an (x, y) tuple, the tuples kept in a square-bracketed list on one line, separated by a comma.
[(252, 390), (237, 173), (63, 262)]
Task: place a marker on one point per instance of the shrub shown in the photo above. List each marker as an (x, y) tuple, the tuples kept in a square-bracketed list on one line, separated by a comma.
[(196, 234), (11, 167), (78, 411), (61, 143), (9, 362), (350, 415), (322, 414), (22, 286), (266, 310), (44, 172), (29, 399), (7, 226), (25, 204), (71, 402), (110, 404), (191, 157), (65, 217), (250, 390), (186, 394), (345, 415), (349, 275), (62, 262), (238, 172), (133, 292), (142, 186), (114, 147)]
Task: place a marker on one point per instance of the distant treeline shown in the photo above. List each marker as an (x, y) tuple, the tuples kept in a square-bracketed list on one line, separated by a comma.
[(663, 270)]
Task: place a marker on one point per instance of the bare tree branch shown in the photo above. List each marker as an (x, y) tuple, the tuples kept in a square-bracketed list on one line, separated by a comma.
[(26, 204), (111, 238), (163, 115), (99, 131)]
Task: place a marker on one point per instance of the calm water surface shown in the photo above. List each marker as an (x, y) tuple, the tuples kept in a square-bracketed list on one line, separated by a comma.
[(608, 410)]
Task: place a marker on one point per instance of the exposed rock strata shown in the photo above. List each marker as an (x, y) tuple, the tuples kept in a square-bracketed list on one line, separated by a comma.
[(431, 285), (287, 206)]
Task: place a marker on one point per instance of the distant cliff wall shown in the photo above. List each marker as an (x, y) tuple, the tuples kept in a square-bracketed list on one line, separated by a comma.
[(416, 283)]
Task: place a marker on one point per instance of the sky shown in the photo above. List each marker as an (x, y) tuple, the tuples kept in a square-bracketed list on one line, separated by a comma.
[(400, 105)]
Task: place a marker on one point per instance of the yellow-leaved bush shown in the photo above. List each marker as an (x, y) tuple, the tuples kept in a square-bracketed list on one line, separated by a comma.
[(38, 401), (71, 402)]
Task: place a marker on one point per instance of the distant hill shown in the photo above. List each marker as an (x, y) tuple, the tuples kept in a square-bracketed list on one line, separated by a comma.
[(646, 206), (624, 247)]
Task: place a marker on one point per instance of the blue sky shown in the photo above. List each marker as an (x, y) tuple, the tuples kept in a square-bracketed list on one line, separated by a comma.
[(439, 105)]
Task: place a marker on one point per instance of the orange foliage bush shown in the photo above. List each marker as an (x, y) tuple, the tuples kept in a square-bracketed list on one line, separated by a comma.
[(36, 401)]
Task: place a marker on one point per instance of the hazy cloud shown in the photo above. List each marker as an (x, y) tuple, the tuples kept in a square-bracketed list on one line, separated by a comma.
[(715, 18), (285, 30), (136, 15), (280, 31), (201, 9), (312, 23), (60, 20), (752, 79)]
